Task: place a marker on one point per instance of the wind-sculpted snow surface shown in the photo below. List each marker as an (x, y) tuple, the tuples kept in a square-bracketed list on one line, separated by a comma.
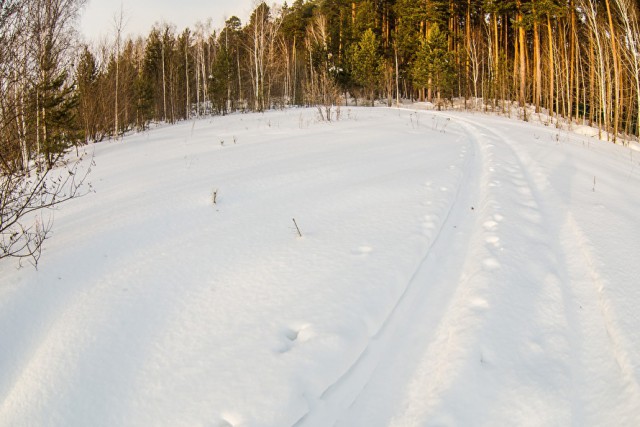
[(453, 269)]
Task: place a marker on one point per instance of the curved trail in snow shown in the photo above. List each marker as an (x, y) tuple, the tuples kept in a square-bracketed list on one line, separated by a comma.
[(427, 294), (507, 324), (599, 345)]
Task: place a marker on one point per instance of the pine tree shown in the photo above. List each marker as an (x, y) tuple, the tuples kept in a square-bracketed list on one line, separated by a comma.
[(366, 64), (56, 101), (221, 80), (87, 79), (434, 66)]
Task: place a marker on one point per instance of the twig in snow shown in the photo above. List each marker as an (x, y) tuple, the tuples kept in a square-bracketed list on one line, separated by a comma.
[(445, 125), (297, 228)]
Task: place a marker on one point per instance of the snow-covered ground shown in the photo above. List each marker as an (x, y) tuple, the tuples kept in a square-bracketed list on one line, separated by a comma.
[(454, 270)]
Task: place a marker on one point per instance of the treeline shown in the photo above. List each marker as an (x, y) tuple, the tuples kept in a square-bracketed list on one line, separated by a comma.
[(578, 59)]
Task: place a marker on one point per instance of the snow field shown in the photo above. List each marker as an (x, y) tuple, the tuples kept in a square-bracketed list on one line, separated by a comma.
[(454, 269)]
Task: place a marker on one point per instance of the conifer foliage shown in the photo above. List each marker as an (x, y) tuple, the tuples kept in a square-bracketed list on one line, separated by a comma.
[(576, 59)]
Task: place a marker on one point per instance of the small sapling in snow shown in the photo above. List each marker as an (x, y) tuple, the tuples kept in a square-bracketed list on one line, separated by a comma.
[(214, 196), (594, 184)]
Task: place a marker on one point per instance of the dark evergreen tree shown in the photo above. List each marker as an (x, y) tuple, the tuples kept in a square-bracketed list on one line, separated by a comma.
[(221, 74), (434, 66), (87, 80), (366, 64), (56, 101)]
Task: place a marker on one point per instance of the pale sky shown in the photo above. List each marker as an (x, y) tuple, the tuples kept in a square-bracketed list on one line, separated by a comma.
[(97, 18)]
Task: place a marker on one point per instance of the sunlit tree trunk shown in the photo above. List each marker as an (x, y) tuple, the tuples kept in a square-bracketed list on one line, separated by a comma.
[(551, 66), (523, 66), (537, 87)]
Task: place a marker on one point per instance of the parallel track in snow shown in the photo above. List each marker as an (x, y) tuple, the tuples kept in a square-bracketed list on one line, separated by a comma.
[(426, 295), (602, 345), (512, 325)]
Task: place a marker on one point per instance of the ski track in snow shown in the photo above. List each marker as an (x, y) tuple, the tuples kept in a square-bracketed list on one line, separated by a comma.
[(455, 269), (537, 305), (341, 394)]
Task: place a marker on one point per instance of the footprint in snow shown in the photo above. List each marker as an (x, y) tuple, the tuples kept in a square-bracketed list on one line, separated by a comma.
[(362, 250), (525, 191), (531, 215), (290, 336), (428, 225), (479, 304), (490, 225), (493, 240), (490, 264), (223, 423)]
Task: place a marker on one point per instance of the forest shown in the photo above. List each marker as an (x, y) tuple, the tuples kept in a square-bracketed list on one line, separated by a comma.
[(578, 60)]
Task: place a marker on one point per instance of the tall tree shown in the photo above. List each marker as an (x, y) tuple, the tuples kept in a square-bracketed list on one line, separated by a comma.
[(434, 65), (366, 64)]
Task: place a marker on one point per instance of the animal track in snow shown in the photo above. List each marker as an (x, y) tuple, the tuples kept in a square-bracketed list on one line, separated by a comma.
[(528, 204), (363, 250), (291, 336), (490, 264), (490, 225), (493, 240), (479, 304), (223, 422), (531, 215), (525, 191)]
